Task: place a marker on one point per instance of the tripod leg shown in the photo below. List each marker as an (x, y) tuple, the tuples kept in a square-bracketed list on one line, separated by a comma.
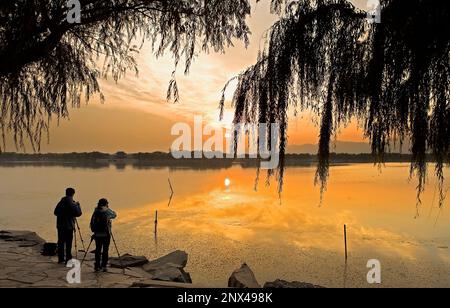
[(81, 235), (76, 248), (117, 250), (87, 251)]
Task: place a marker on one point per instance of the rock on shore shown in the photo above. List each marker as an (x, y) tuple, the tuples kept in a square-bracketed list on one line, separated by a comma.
[(23, 238), (127, 260), (243, 278), (169, 268)]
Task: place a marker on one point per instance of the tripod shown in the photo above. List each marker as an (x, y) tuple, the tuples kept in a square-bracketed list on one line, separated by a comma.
[(76, 247), (117, 249), (115, 245), (81, 236), (87, 251)]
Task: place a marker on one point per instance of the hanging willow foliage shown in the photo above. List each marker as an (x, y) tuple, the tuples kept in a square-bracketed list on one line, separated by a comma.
[(48, 64), (393, 77)]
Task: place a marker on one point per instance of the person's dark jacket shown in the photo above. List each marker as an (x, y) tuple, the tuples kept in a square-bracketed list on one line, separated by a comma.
[(66, 211), (109, 215)]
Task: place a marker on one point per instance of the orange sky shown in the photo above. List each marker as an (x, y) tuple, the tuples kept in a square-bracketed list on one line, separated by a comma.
[(137, 117)]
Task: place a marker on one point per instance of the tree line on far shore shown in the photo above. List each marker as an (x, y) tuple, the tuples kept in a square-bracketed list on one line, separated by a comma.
[(161, 156)]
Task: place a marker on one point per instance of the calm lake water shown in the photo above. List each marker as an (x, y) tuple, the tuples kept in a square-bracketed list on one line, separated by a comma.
[(292, 238)]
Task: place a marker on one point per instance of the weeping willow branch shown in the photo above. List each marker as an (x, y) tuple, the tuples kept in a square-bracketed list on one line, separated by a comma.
[(392, 77), (48, 65)]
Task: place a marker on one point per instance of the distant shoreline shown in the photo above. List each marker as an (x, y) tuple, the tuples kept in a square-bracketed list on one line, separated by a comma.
[(162, 160)]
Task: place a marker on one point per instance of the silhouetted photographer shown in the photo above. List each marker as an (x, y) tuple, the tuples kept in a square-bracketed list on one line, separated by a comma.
[(101, 227), (66, 212)]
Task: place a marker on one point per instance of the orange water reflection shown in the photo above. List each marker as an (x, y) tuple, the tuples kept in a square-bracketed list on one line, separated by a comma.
[(379, 209), (292, 238)]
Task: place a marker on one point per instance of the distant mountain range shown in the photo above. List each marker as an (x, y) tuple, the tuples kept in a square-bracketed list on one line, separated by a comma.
[(339, 147)]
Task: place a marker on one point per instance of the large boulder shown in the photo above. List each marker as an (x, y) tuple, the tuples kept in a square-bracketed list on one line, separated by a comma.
[(169, 268), (282, 284), (127, 260), (243, 278), (171, 274), (177, 259)]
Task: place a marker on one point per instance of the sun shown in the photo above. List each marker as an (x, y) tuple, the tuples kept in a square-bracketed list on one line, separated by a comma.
[(227, 182)]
